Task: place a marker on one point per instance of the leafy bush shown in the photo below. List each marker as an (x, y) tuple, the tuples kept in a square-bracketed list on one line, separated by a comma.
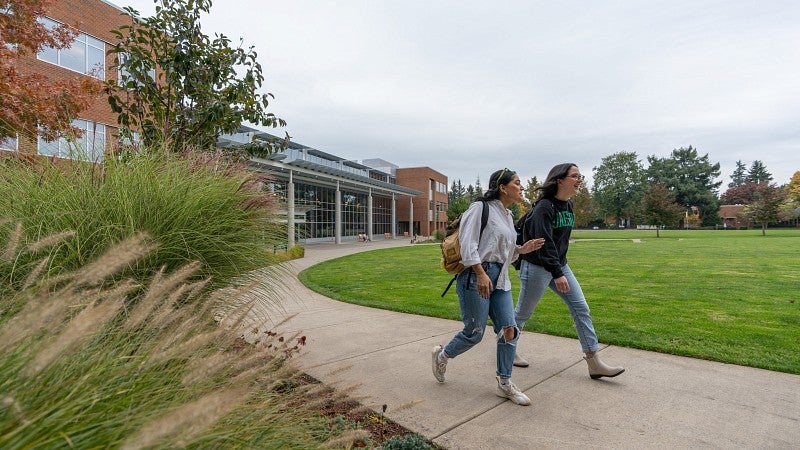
[(197, 207), (298, 251), (407, 442)]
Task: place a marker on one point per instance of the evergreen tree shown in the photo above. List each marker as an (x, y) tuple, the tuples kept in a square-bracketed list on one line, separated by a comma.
[(739, 175), (758, 173), (457, 191), (692, 178)]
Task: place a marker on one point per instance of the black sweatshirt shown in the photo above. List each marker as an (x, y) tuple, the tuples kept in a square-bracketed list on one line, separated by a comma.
[(552, 219)]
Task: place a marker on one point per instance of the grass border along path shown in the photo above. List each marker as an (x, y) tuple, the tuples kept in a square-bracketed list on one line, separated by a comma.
[(729, 296)]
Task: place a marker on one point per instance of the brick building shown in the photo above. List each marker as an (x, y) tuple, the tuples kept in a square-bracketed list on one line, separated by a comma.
[(87, 56), (428, 210), (324, 197)]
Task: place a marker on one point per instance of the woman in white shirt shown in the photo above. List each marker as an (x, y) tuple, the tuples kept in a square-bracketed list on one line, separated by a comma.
[(484, 289)]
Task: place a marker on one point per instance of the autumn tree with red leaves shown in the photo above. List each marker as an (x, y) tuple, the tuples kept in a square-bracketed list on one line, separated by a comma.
[(30, 103)]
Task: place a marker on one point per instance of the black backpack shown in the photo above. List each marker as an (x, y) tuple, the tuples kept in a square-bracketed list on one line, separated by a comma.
[(519, 226)]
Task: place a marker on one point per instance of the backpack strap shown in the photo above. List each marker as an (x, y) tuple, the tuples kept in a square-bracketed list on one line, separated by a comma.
[(484, 221)]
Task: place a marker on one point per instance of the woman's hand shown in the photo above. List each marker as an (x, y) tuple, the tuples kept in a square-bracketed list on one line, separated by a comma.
[(562, 285), (484, 283), (531, 246)]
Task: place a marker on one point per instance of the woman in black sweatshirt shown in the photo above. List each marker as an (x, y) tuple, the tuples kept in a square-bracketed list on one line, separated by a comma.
[(552, 219)]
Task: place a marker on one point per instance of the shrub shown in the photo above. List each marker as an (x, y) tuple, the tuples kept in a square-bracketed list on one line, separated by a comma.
[(198, 207), (407, 442), (83, 368), (298, 251)]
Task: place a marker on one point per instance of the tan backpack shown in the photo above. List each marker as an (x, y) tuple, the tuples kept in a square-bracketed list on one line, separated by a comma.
[(451, 246)]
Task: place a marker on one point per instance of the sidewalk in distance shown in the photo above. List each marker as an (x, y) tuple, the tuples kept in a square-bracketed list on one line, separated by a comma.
[(661, 401)]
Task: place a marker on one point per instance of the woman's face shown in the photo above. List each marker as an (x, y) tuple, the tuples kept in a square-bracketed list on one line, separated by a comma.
[(513, 190), (571, 184)]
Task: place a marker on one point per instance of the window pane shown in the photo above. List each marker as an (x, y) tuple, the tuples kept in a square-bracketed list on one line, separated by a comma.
[(8, 143), (49, 54), (74, 57), (94, 42), (48, 148), (97, 63)]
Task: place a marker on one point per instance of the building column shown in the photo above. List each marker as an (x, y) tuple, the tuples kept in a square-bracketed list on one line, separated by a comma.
[(290, 212), (394, 215), (369, 214), (337, 233), (411, 216)]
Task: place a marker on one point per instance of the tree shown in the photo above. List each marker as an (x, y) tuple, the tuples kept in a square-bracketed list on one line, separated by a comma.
[(692, 178), (457, 207), (659, 207), (618, 186), (457, 191), (478, 189), (758, 173), (793, 188), (583, 207), (743, 194), (739, 175), (767, 206), (531, 191), (203, 86), (32, 104)]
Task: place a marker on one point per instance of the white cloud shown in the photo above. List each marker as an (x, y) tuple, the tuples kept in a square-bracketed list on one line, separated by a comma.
[(469, 86)]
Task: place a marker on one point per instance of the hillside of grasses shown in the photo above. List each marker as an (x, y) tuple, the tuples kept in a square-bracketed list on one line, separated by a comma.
[(124, 287)]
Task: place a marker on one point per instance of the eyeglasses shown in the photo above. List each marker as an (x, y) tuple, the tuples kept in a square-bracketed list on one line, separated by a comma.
[(577, 176)]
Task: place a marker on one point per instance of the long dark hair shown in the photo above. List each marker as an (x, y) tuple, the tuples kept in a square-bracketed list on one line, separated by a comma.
[(549, 188), (499, 178)]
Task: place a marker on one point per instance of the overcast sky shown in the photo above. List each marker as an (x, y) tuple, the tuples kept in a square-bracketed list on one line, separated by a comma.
[(466, 87)]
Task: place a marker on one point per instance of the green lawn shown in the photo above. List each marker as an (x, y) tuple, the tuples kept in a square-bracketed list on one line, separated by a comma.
[(731, 296)]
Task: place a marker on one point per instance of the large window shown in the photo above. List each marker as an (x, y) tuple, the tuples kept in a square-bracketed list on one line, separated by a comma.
[(90, 146), (86, 55)]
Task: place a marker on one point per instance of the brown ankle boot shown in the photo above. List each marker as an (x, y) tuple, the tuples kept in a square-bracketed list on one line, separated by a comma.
[(598, 368)]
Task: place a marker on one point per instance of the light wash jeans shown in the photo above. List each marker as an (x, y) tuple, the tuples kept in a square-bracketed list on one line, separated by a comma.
[(534, 280), (474, 312)]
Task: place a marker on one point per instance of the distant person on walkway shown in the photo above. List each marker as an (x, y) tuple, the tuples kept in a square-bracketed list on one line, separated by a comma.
[(484, 289), (552, 219)]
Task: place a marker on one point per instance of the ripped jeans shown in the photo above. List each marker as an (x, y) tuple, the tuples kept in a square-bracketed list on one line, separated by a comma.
[(474, 313)]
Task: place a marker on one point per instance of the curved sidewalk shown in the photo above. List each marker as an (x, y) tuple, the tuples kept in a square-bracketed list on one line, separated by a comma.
[(661, 401)]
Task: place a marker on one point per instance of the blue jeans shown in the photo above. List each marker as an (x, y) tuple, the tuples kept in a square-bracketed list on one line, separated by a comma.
[(474, 312), (534, 280)]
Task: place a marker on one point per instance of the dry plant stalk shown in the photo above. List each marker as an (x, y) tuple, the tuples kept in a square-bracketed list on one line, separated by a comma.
[(187, 421), (115, 259), (81, 327), (12, 247), (49, 241), (347, 440)]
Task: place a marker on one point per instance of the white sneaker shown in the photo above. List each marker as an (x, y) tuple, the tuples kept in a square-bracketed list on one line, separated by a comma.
[(438, 367), (512, 393), (519, 361)]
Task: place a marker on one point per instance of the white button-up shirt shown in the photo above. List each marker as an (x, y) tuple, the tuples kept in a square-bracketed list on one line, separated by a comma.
[(497, 244)]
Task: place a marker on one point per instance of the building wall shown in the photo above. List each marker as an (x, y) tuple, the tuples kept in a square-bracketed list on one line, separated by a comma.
[(430, 207), (730, 215), (95, 18)]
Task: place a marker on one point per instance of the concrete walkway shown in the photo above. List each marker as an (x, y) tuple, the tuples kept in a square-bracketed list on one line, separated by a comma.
[(661, 401)]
